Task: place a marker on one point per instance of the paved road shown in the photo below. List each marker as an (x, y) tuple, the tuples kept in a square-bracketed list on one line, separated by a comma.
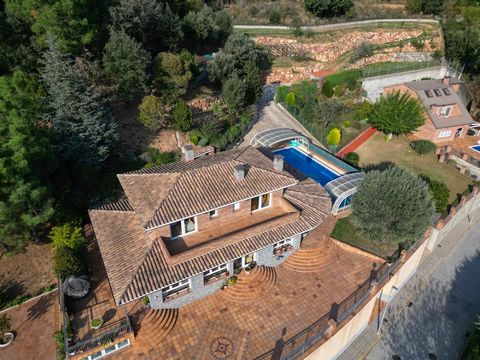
[(444, 299), (336, 26), (270, 116)]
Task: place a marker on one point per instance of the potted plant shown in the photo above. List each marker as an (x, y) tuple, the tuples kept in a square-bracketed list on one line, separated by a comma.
[(247, 269), (231, 281), (96, 323), (6, 337)]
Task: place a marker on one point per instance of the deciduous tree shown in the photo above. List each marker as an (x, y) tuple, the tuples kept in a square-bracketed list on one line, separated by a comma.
[(393, 206)]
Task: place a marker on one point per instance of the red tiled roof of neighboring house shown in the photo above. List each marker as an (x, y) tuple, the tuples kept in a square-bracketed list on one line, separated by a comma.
[(135, 259)]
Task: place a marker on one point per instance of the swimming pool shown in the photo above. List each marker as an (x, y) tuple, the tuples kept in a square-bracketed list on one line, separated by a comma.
[(475, 147), (308, 165)]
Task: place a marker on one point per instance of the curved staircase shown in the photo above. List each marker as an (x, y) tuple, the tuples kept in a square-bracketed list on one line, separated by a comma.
[(313, 259), (155, 326), (250, 287)]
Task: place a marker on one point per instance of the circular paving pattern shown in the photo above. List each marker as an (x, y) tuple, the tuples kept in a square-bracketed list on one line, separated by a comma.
[(221, 348)]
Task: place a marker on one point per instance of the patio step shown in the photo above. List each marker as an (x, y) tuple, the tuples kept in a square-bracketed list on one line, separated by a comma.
[(313, 259), (252, 286), (155, 326)]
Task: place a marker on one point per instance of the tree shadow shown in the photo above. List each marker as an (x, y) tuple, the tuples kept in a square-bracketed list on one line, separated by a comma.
[(10, 291), (41, 306), (435, 324), (279, 345)]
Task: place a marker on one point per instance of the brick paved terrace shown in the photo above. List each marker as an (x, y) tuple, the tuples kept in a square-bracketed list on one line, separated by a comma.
[(296, 297), (34, 323)]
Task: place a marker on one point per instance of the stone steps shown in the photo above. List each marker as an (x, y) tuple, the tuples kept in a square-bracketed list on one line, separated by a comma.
[(313, 259), (155, 326), (252, 286)]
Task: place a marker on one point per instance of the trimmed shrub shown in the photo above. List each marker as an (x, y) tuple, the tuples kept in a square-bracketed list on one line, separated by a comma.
[(68, 236), (346, 124), (290, 99), (334, 137), (439, 192), (423, 146), (352, 158), (281, 93)]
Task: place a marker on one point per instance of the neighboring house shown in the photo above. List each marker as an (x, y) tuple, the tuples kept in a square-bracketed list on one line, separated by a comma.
[(446, 103), (184, 227)]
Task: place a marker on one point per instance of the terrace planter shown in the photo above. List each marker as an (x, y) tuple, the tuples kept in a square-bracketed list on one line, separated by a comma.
[(96, 323), (8, 338)]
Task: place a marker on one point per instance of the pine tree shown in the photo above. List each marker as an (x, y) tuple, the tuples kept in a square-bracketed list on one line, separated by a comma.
[(125, 63), (182, 116), (25, 201), (84, 128)]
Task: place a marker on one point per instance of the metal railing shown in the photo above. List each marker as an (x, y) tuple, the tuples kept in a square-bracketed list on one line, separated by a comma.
[(117, 329), (300, 343)]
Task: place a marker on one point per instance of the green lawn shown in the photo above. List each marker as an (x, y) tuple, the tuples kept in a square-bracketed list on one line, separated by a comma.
[(346, 232), (398, 151)]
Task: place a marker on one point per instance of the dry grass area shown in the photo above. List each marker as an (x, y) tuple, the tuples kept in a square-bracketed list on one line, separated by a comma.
[(398, 151), (25, 273)]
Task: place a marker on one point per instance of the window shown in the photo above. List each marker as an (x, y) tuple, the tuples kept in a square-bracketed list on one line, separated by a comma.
[(428, 93), (214, 272), (183, 227), (446, 91), (108, 350), (236, 206), (437, 92), (282, 243), (175, 288), (213, 213), (444, 133), (260, 202), (282, 247), (445, 111)]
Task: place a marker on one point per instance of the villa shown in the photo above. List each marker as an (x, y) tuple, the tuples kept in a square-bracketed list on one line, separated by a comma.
[(446, 103)]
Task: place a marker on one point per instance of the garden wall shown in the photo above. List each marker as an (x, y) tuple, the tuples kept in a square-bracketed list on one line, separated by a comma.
[(374, 85), (355, 143)]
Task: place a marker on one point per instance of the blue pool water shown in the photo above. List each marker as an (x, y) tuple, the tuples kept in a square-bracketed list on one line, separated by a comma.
[(307, 165), (476, 148)]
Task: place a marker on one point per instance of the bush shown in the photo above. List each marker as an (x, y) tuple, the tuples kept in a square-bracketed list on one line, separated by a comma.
[(364, 110), (68, 236), (182, 116), (203, 142), (66, 262), (194, 136), (352, 158), (5, 326), (275, 17), (346, 124), (290, 99), (334, 136), (154, 157), (152, 113), (340, 90), (423, 146), (418, 44), (281, 93), (363, 51), (439, 192), (349, 78), (328, 89), (328, 8)]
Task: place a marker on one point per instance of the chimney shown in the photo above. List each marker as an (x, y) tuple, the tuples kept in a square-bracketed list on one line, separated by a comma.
[(446, 80), (278, 163), (239, 172), (188, 151)]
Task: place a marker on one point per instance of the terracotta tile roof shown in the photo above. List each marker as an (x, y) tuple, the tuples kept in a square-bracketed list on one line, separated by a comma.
[(171, 192), (135, 259)]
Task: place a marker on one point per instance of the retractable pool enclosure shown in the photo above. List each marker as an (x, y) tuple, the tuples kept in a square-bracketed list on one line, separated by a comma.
[(342, 190), (271, 137)]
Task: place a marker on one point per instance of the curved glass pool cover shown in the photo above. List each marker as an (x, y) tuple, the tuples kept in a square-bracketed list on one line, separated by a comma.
[(272, 137)]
